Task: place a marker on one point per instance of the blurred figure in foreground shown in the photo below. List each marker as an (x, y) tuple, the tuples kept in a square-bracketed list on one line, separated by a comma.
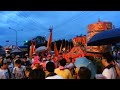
[(84, 73), (50, 66), (109, 71), (37, 74), (62, 71)]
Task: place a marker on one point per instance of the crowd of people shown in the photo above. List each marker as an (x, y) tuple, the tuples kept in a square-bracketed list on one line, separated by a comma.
[(47, 66)]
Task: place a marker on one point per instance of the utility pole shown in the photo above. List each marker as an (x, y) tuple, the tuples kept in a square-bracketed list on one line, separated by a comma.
[(16, 35)]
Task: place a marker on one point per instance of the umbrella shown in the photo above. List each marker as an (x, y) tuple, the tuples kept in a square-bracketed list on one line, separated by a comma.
[(105, 38), (84, 62), (41, 48), (16, 51)]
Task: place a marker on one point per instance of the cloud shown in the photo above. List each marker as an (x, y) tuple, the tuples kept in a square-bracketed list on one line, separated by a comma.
[(67, 24)]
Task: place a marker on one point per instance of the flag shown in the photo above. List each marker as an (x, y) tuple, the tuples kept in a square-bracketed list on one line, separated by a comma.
[(55, 49), (70, 46), (32, 50), (61, 47), (49, 40), (65, 46)]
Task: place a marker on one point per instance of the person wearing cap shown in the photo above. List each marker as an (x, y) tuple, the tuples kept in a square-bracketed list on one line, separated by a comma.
[(17, 57), (4, 74), (19, 70), (13, 56), (25, 62), (26, 54), (28, 59)]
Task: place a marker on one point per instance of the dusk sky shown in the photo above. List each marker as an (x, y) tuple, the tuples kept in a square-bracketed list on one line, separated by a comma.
[(66, 24)]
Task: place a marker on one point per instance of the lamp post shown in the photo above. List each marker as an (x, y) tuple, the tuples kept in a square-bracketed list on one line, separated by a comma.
[(15, 34)]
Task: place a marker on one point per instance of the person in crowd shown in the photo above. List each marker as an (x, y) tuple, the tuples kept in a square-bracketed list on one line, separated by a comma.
[(13, 56), (49, 58), (25, 62), (50, 67), (1, 60), (37, 74), (43, 63), (84, 73), (109, 71), (33, 55), (115, 55), (28, 59), (70, 65), (117, 68), (62, 71), (60, 56), (27, 72), (4, 71), (19, 70), (7, 53), (10, 64), (56, 60), (36, 63), (17, 57)]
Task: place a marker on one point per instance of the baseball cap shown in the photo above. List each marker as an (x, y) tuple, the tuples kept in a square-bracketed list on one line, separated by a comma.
[(26, 54), (17, 56), (44, 59), (34, 54)]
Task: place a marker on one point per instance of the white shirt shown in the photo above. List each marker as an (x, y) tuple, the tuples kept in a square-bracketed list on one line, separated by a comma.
[(54, 77), (19, 72), (109, 73), (4, 74), (32, 60), (11, 66), (71, 65)]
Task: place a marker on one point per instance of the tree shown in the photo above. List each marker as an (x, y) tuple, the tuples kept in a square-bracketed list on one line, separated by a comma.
[(39, 41)]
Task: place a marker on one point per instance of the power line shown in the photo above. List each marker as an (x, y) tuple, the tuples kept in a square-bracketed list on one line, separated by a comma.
[(35, 23), (85, 14), (74, 19)]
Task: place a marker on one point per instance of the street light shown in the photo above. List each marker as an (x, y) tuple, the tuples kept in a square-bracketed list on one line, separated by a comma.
[(16, 34)]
